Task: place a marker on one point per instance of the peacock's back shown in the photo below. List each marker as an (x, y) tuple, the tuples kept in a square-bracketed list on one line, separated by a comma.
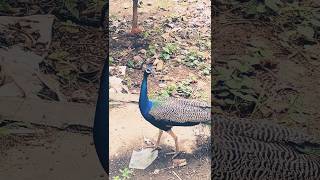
[(177, 112), (243, 149)]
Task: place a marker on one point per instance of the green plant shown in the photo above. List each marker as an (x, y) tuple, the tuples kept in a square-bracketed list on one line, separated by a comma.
[(184, 88), (168, 50), (4, 6), (145, 34), (152, 50), (72, 7), (206, 71), (116, 178), (126, 173), (168, 91), (111, 61), (130, 64), (257, 7), (193, 59)]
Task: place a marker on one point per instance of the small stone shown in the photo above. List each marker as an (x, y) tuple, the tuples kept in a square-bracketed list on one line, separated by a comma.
[(171, 25), (155, 62), (160, 65), (85, 67), (162, 85), (166, 36), (179, 162), (156, 171), (137, 58), (112, 90), (79, 95), (115, 82), (143, 51), (167, 78)]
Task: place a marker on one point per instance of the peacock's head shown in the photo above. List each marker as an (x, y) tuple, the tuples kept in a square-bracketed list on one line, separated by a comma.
[(149, 70)]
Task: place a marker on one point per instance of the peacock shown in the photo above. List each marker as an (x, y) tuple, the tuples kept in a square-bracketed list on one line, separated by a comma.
[(246, 149), (169, 112)]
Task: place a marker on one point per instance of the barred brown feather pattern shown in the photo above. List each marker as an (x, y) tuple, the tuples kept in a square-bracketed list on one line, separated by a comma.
[(181, 111), (247, 150), (262, 130)]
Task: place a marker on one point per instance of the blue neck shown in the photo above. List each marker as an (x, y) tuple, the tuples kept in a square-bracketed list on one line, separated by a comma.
[(144, 103), (100, 128)]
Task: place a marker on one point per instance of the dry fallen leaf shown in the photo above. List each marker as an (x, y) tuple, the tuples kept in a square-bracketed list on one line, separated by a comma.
[(179, 162)]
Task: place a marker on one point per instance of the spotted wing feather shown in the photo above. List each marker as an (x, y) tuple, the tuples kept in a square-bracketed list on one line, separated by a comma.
[(174, 110)]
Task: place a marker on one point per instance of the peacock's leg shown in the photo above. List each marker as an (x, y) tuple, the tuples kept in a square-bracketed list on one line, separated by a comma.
[(157, 147), (135, 29), (159, 137), (175, 138)]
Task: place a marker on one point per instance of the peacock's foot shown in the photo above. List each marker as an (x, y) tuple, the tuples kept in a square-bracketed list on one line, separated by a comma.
[(175, 154), (135, 31)]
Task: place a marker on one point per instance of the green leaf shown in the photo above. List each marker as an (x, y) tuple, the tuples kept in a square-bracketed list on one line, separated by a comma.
[(130, 64), (315, 22), (166, 50), (229, 101), (247, 91), (234, 84), (58, 55), (272, 4), (266, 53), (306, 31), (116, 178), (258, 43), (251, 8), (222, 73), (234, 64), (5, 6), (69, 27), (261, 8), (223, 94), (248, 82), (252, 60), (164, 56), (244, 68), (4, 131), (110, 60), (246, 97), (71, 5)]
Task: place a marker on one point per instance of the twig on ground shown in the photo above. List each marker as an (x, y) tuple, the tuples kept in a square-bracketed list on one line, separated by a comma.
[(176, 175)]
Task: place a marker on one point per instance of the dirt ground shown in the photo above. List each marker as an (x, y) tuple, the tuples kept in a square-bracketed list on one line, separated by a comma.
[(287, 85), (46, 154)]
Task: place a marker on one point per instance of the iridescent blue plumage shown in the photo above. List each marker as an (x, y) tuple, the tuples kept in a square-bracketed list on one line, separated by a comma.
[(166, 113), (100, 128)]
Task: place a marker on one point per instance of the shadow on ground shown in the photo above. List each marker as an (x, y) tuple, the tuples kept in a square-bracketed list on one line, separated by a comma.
[(198, 163)]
